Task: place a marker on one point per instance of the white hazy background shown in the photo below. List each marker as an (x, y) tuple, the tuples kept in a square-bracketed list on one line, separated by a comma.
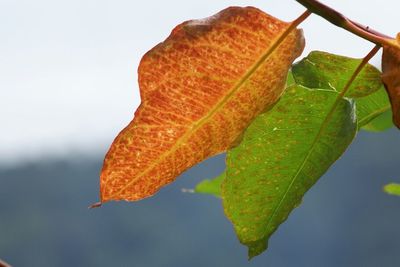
[(68, 80)]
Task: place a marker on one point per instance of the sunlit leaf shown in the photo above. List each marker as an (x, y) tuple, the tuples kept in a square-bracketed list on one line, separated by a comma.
[(330, 71), (200, 89), (283, 153), (381, 123), (392, 189), (373, 112)]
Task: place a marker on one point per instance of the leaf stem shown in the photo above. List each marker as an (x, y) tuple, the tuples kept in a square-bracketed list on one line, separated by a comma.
[(343, 22), (4, 264), (300, 19)]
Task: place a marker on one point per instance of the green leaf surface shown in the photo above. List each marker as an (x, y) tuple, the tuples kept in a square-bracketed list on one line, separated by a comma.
[(372, 106), (381, 123), (283, 153), (373, 112), (392, 189), (290, 79), (285, 150), (329, 71), (212, 187)]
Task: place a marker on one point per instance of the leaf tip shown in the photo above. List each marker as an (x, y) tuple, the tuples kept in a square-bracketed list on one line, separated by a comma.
[(256, 248), (95, 205)]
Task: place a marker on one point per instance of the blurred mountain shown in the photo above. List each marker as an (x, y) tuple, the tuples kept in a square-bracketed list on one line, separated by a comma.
[(345, 220)]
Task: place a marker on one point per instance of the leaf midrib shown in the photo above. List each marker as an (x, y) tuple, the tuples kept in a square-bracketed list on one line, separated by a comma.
[(312, 147), (324, 124), (277, 41)]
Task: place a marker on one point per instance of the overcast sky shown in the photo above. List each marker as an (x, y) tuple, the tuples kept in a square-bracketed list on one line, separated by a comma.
[(68, 80)]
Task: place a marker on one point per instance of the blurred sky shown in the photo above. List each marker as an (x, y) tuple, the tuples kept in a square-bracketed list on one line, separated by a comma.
[(68, 80)]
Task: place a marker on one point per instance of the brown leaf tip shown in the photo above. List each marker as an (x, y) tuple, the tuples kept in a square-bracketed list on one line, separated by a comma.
[(95, 205)]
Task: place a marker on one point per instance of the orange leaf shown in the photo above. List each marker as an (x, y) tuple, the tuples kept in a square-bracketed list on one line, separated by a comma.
[(391, 76), (200, 89)]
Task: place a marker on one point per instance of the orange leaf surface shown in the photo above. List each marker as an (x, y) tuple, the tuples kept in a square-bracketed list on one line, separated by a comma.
[(200, 89), (391, 77)]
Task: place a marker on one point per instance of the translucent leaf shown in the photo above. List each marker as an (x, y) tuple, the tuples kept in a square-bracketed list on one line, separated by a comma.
[(200, 89), (374, 112), (283, 153), (380, 123), (329, 71)]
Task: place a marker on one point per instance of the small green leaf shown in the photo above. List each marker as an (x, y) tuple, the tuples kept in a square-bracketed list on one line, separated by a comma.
[(329, 71), (283, 153), (392, 189), (371, 107), (211, 187), (382, 122)]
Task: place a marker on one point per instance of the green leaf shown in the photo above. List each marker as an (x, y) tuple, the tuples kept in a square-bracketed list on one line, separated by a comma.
[(290, 79), (373, 112), (329, 71), (382, 122), (283, 153), (285, 150), (212, 187), (371, 106), (392, 189)]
